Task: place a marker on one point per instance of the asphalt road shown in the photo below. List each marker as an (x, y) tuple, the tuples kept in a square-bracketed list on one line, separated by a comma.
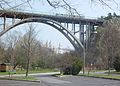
[(78, 81), (18, 83), (63, 81)]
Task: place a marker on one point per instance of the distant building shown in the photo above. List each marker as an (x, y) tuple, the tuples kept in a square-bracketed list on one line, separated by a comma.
[(62, 50), (4, 67)]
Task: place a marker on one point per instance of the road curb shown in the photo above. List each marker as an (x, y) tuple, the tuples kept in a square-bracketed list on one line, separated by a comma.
[(61, 76), (38, 81), (101, 77)]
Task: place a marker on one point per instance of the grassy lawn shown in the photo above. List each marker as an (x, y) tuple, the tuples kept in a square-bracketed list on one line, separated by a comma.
[(4, 73), (30, 71), (36, 71), (29, 78), (102, 75), (114, 72)]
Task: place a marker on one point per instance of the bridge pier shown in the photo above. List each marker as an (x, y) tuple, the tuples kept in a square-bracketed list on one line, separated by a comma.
[(4, 23), (82, 33), (13, 19)]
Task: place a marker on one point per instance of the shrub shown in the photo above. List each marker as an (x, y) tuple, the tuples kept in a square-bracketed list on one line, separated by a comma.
[(74, 69), (67, 71)]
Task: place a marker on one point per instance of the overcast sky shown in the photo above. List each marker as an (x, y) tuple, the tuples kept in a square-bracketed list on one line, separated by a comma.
[(84, 7)]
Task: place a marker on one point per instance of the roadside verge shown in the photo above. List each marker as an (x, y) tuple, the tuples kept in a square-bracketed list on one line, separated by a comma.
[(102, 76)]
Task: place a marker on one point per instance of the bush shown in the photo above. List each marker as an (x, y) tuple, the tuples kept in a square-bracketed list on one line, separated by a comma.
[(74, 69), (67, 71), (116, 64)]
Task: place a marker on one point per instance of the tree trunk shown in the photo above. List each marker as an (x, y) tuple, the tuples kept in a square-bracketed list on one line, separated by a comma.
[(109, 65), (27, 66)]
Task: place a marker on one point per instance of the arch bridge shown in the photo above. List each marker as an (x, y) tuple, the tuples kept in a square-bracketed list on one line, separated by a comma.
[(69, 26)]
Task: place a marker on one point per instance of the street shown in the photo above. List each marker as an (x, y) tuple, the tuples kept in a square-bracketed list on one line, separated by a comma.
[(78, 81), (47, 80)]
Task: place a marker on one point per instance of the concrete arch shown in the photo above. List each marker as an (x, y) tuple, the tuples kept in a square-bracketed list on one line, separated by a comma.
[(67, 33)]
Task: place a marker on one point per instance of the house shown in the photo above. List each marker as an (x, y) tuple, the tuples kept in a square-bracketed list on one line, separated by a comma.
[(4, 67)]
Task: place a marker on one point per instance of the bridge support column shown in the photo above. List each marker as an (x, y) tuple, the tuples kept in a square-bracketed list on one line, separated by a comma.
[(74, 28), (92, 35), (87, 35), (80, 31), (81, 36), (89, 31), (13, 19), (4, 22), (67, 25)]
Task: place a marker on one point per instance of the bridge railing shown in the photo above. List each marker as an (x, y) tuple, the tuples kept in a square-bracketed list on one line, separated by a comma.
[(56, 14)]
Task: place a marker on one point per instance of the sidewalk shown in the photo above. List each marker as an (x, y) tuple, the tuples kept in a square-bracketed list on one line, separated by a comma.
[(33, 74), (102, 75), (97, 72)]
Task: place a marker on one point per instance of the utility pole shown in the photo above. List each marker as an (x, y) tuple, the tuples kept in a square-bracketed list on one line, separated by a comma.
[(84, 55)]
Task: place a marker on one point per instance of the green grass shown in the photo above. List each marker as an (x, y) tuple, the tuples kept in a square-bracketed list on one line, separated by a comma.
[(36, 71), (29, 78), (30, 71), (4, 73), (102, 76), (98, 70), (114, 72)]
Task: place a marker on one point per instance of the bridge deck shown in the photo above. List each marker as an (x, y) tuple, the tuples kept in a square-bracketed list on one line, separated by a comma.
[(60, 18)]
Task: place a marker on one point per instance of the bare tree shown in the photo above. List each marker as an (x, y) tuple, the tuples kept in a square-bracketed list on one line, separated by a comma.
[(65, 5), (105, 2), (9, 4), (109, 41), (10, 41), (2, 51), (29, 45)]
